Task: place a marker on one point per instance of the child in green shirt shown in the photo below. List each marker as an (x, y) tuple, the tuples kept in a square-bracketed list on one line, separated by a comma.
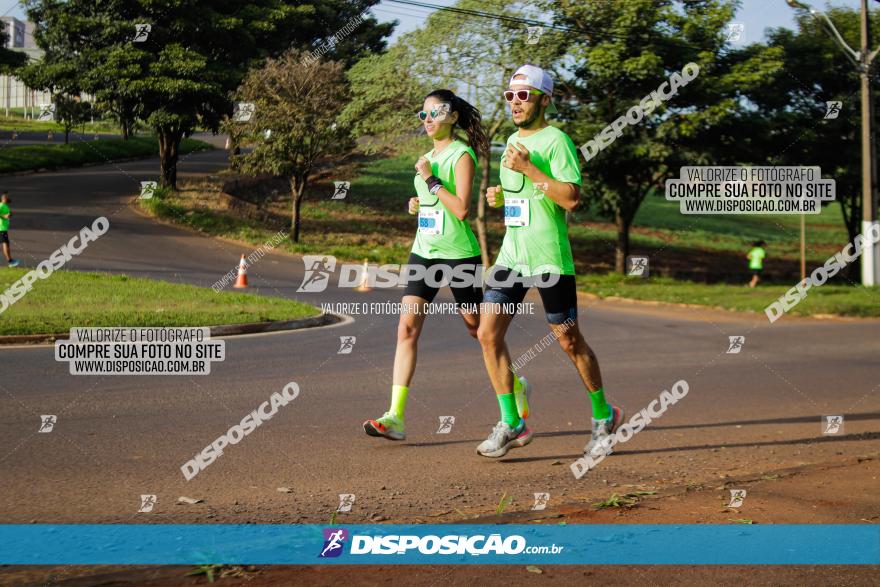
[(4, 228), (756, 261)]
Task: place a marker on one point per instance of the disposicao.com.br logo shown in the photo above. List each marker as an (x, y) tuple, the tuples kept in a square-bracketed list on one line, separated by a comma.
[(479, 544)]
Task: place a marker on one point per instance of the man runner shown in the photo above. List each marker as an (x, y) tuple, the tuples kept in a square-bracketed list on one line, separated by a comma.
[(540, 181)]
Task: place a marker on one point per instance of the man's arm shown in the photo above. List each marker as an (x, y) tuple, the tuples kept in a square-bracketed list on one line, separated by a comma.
[(567, 195)]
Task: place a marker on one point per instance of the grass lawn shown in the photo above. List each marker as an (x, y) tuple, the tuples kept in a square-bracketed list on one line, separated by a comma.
[(828, 299), (72, 299), (77, 153), (21, 124), (371, 223)]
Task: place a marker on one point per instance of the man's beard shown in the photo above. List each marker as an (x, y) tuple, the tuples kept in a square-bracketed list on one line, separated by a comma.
[(535, 114)]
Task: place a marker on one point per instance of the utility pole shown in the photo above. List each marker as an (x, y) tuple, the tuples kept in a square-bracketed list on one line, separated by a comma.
[(863, 60), (870, 253)]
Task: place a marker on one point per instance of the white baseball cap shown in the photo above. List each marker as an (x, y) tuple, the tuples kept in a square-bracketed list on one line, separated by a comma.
[(538, 79)]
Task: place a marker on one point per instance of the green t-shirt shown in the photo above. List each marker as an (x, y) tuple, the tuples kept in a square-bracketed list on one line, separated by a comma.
[(4, 222), (756, 258), (440, 234), (536, 240)]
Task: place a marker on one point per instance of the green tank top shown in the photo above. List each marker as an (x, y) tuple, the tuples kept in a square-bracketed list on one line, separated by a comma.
[(536, 239), (440, 234)]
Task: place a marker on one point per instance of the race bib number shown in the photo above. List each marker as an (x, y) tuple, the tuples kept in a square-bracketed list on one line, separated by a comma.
[(431, 222), (516, 212)]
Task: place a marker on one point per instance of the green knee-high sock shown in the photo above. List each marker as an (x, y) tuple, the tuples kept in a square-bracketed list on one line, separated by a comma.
[(398, 400), (601, 408), (509, 414)]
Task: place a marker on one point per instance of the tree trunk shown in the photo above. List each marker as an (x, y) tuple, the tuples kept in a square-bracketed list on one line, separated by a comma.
[(66, 135), (622, 251), (169, 144), (297, 189), (482, 227)]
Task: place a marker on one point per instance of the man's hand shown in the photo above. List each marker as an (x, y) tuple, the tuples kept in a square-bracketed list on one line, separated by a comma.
[(495, 196), (423, 167), (517, 158), (413, 206)]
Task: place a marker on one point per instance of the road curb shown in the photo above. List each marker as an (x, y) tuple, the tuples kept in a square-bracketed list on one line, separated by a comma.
[(219, 331)]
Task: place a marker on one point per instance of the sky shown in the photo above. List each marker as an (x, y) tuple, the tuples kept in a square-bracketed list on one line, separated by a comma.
[(756, 15)]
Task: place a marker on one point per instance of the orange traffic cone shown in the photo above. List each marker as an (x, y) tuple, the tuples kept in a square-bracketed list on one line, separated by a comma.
[(241, 280), (365, 282)]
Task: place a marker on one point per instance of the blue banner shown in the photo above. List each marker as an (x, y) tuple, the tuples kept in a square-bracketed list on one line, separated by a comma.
[(151, 544)]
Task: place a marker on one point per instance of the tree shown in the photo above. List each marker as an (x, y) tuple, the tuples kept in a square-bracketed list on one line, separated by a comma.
[(71, 111), (299, 105), (473, 56), (791, 108), (623, 52), (178, 75)]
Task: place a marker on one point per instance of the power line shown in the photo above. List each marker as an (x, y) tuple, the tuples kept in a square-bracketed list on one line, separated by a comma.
[(489, 15), (515, 20)]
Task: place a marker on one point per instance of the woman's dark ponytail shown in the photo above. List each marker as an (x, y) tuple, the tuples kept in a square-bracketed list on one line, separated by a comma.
[(469, 120)]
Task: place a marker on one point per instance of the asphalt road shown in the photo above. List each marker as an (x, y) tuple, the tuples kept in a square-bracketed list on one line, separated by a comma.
[(117, 438)]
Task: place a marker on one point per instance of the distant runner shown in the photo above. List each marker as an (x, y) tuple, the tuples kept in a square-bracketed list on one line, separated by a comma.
[(756, 261), (4, 229)]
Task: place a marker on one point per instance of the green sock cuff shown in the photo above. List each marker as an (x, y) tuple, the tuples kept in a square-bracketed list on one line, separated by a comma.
[(601, 408), (398, 400), (509, 413), (517, 384)]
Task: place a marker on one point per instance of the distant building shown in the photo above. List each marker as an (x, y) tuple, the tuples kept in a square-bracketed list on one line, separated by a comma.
[(13, 93), (29, 42), (15, 32)]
